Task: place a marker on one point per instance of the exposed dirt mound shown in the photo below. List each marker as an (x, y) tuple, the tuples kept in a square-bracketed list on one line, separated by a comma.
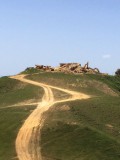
[(69, 68)]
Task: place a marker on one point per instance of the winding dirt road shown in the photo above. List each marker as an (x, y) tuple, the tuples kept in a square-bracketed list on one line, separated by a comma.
[(27, 141)]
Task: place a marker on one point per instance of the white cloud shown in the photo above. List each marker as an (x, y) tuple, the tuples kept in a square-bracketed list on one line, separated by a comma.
[(106, 56)]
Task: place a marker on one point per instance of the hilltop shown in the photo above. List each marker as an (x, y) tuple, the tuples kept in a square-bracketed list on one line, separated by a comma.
[(81, 129), (75, 68)]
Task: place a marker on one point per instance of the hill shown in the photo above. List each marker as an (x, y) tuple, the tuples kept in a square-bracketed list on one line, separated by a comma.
[(86, 129)]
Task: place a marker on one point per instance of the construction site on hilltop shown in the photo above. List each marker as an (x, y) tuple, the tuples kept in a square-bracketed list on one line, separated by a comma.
[(69, 68)]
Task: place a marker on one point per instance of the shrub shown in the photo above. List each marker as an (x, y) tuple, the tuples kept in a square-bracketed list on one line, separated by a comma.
[(117, 73)]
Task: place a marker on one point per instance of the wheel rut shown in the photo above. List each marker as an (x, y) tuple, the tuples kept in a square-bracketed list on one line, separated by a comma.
[(28, 138)]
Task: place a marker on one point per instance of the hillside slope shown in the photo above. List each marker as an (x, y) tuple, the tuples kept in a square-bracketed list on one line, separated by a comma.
[(86, 129), (16, 103), (83, 129)]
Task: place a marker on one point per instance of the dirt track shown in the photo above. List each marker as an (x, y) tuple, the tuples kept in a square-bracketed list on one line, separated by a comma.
[(27, 141)]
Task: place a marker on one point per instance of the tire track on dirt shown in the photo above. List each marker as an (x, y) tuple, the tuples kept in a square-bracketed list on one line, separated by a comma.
[(27, 141)]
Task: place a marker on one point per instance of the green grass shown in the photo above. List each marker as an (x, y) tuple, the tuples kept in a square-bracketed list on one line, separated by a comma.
[(31, 71), (83, 131), (86, 83), (10, 122), (11, 119), (79, 130), (59, 95), (74, 142), (89, 129), (13, 91), (112, 81)]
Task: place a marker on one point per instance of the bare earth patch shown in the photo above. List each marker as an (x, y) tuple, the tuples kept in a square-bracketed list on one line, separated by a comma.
[(109, 126), (65, 108)]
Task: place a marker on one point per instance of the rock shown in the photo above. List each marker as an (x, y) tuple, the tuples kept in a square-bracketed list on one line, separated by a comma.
[(70, 68)]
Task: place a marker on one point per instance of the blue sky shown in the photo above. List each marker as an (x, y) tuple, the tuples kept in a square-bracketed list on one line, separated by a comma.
[(53, 31)]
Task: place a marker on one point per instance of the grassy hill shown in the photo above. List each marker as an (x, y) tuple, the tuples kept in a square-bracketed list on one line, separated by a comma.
[(79, 130), (12, 92), (85, 129)]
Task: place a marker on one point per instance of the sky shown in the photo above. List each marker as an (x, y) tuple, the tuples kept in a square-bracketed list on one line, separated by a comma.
[(50, 32)]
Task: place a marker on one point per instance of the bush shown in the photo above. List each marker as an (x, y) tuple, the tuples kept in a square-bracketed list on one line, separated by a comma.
[(117, 73)]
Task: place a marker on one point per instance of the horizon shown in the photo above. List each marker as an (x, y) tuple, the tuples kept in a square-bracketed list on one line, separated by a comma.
[(51, 32), (58, 66)]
